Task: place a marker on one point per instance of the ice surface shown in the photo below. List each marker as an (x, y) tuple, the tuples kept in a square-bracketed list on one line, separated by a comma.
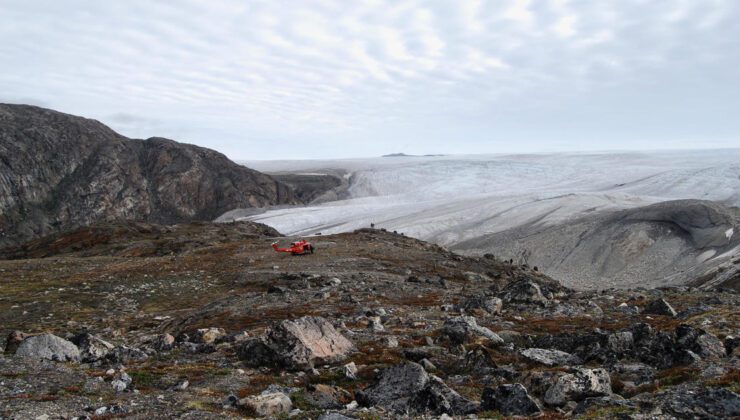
[(449, 199)]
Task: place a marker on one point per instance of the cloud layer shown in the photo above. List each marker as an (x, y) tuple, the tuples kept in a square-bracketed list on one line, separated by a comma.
[(329, 78)]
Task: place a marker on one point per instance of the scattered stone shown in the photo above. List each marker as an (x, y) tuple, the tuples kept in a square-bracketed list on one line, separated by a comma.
[(463, 329), (164, 342), (550, 357), (49, 347), (578, 386), (265, 405), (698, 341), (659, 307), (510, 400), (350, 370)]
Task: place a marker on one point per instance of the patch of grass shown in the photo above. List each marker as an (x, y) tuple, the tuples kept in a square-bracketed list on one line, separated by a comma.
[(495, 415), (730, 380), (607, 412)]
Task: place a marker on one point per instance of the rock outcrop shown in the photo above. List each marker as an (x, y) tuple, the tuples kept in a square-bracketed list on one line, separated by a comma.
[(59, 171)]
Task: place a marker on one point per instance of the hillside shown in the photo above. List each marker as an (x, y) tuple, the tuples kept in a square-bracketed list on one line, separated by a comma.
[(59, 171), (206, 321)]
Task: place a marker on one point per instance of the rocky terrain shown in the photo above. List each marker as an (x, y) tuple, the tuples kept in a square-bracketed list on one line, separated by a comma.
[(59, 171), (137, 320)]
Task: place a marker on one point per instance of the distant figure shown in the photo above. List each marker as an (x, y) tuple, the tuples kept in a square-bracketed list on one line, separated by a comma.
[(372, 225)]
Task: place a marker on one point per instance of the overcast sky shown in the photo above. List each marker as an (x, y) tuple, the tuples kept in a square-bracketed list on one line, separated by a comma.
[(336, 78)]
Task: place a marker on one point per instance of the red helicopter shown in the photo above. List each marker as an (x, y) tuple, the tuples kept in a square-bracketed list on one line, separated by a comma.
[(301, 247)]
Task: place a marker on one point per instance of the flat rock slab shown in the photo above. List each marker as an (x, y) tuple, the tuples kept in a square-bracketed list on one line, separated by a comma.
[(550, 357)]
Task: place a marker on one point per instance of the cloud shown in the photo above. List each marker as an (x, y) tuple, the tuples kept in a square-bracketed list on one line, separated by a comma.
[(456, 75)]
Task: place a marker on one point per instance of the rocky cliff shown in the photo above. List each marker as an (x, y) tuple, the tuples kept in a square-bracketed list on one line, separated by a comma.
[(59, 171)]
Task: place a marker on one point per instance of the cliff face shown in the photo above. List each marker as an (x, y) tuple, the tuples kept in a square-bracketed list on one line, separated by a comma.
[(59, 171)]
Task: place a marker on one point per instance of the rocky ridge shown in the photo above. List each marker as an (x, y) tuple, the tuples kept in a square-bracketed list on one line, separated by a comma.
[(59, 171)]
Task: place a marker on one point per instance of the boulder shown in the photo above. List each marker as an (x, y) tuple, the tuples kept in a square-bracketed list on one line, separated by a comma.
[(125, 354), (550, 357), (49, 347), (208, 335), (92, 348), (270, 404), (297, 344), (659, 307), (577, 386), (463, 329), (408, 389), (700, 342), (326, 396), (523, 291), (510, 400), (492, 305), (620, 343)]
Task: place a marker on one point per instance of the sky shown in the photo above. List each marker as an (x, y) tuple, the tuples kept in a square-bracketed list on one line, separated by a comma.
[(273, 79)]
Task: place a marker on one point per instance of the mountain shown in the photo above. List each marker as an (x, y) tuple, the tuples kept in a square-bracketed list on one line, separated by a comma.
[(59, 171)]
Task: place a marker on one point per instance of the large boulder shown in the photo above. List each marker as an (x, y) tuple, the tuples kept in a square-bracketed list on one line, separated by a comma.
[(49, 347), (297, 344), (578, 386), (523, 291), (408, 389), (510, 400), (659, 307), (700, 342), (464, 329), (550, 357)]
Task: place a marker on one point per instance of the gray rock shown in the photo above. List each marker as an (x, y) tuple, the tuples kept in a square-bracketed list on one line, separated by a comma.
[(523, 291), (463, 329), (92, 348), (700, 342), (334, 416), (492, 305), (297, 344), (578, 386), (620, 342), (208, 335), (118, 385), (550, 357), (265, 405), (510, 400), (408, 389), (659, 307), (49, 347)]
